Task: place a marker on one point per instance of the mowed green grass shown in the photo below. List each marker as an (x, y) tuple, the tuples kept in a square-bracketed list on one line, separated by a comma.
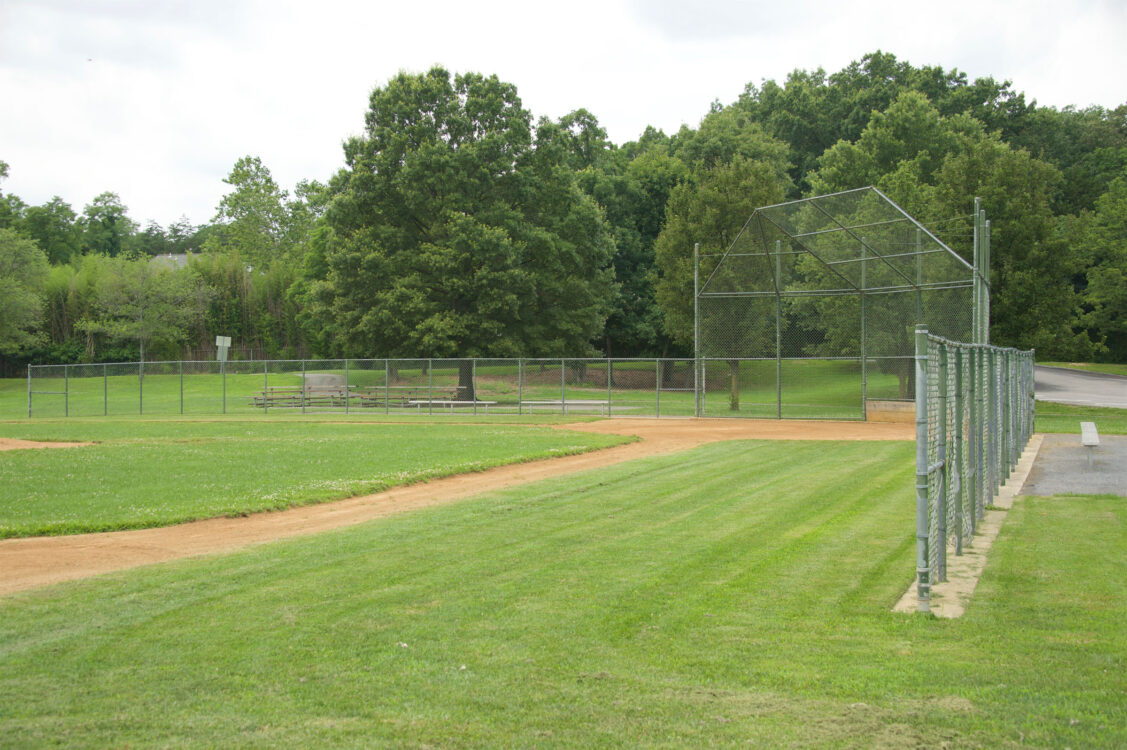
[(154, 473), (735, 594), (1110, 369), (1051, 417)]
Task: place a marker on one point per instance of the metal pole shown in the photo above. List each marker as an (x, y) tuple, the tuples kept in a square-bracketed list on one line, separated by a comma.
[(976, 312), (265, 387), (430, 386), (223, 374), (864, 369), (972, 434), (608, 385), (563, 387), (141, 387), (303, 386), (944, 468), (919, 275), (473, 382), (923, 571), (66, 390), (386, 388), (986, 283), (959, 404), (657, 390), (181, 368), (29, 391), (520, 386), (347, 393), (696, 329), (105, 393), (779, 332)]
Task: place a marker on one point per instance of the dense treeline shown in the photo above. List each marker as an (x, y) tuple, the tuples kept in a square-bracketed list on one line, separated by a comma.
[(459, 226)]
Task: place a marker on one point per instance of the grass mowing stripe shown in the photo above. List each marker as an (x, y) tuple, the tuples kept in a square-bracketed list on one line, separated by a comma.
[(166, 473), (358, 637)]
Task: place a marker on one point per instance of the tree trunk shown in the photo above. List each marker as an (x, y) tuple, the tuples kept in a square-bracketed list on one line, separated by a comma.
[(466, 390), (734, 398)]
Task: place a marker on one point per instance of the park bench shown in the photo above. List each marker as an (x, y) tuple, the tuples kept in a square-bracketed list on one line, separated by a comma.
[(578, 404), (1089, 438)]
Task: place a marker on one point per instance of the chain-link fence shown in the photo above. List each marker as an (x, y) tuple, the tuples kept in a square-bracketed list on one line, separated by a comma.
[(974, 416), (809, 313), (591, 387)]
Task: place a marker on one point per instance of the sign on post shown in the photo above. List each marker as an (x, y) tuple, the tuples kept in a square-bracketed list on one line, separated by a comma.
[(223, 343)]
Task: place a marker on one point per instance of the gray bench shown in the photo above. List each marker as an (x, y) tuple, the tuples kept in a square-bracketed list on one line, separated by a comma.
[(1089, 438)]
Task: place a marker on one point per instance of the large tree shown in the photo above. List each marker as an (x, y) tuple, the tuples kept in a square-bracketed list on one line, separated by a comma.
[(457, 232), (23, 272)]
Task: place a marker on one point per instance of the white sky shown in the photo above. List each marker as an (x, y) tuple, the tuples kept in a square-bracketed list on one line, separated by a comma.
[(156, 99)]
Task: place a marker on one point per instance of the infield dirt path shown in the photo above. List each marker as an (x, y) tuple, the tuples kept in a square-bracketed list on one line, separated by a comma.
[(40, 561)]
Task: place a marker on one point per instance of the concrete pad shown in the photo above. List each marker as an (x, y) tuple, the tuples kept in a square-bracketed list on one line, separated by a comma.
[(1062, 467)]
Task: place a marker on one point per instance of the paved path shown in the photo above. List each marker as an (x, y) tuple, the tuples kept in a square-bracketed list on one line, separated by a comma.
[(1081, 388), (1062, 467)]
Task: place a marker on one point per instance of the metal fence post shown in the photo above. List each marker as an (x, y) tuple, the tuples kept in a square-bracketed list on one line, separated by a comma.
[(473, 382), (430, 387), (959, 404), (696, 330), (943, 468), (181, 368), (563, 387), (520, 385), (923, 571), (864, 374), (29, 391), (66, 390), (303, 386), (223, 374), (265, 387), (779, 334), (347, 393), (105, 393), (657, 390), (608, 385), (141, 387), (386, 388)]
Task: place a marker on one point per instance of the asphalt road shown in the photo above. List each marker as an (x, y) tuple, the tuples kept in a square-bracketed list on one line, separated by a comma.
[(1080, 388)]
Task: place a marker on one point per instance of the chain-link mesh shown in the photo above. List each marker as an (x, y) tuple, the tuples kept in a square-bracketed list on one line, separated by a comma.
[(975, 414), (843, 279)]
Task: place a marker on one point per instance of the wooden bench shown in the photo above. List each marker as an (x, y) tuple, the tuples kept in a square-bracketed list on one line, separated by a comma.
[(289, 397), (579, 404), (1089, 438), (451, 403)]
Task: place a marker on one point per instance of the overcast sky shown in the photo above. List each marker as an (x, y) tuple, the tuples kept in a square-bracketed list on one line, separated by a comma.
[(156, 99)]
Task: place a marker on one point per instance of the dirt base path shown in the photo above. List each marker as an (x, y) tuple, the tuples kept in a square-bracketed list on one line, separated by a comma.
[(39, 561), (15, 444)]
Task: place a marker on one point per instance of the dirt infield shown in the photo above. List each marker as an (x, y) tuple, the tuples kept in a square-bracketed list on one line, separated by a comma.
[(12, 444), (40, 561)]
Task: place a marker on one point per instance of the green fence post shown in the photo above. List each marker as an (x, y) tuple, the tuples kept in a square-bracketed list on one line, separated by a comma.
[(943, 468), (959, 405), (923, 571), (608, 385)]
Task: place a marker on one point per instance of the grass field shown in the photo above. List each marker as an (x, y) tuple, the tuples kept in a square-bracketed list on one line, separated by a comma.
[(1066, 418), (154, 473), (1110, 369), (735, 594)]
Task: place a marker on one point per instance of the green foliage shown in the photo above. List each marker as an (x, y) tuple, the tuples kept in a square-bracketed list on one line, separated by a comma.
[(137, 301), (23, 271), (455, 232), (710, 209), (105, 226), (54, 227)]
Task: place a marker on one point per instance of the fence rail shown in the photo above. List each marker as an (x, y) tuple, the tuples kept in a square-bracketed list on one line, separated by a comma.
[(974, 417)]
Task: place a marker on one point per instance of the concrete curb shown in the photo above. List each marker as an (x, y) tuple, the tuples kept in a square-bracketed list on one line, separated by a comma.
[(951, 597)]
